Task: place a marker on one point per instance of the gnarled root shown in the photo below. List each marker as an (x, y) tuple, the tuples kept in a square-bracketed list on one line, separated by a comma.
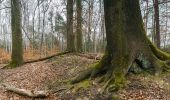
[(158, 65), (112, 70), (93, 70), (112, 73), (158, 53)]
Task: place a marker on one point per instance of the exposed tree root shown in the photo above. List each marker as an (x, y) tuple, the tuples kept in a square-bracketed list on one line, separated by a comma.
[(158, 53), (112, 70), (112, 77), (90, 56), (92, 71), (28, 93), (63, 89)]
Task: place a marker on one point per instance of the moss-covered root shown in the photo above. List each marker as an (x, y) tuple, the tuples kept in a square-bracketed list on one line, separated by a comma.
[(158, 65), (115, 76), (11, 65), (163, 66), (92, 71), (158, 53), (116, 82), (82, 76)]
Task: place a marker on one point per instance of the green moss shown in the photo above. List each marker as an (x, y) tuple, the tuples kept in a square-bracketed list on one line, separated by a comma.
[(119, 81), (116, 97), (94, 65), (12, 65), (55, 84), (81, 85), (160, 54)]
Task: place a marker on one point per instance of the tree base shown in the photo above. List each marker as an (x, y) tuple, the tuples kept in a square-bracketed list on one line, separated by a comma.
[(11, 65), (113, 70)]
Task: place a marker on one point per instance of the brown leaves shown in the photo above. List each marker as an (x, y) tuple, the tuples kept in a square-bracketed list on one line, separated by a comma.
[(38, 76)]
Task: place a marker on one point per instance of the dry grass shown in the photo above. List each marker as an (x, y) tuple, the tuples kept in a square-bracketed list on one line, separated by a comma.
[(29, 54), (4, 56)]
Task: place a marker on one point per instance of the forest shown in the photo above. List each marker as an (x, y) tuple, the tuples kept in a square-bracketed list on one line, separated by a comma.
[(84, 49)]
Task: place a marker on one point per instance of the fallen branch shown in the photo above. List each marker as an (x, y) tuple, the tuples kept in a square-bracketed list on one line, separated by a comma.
[(90, 56), (28, 93), (42, 59)]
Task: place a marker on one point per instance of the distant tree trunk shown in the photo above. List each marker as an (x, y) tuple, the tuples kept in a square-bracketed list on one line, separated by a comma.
[(79, 26), (90, 15), (94, 40), (102, 27), (70, 34), (42, 37), (147, 12), (166, 27), (157, 27), (153, 29), (127, 44), (17, 50)]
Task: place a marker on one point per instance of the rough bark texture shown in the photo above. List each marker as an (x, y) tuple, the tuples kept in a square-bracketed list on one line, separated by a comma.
[(79, 26), (17, 50), (127, 44), (157, 35), (70, 34)]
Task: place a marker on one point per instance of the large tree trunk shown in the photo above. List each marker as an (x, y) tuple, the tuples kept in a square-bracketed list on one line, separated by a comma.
[(127, 44), (79, 26), (17, 50), (70, 34)]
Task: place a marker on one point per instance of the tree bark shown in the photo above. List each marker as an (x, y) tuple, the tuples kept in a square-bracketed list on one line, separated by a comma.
[(127, 44), (146, 16), (157, 27), (17, 49), (79, 26), (70, 34)]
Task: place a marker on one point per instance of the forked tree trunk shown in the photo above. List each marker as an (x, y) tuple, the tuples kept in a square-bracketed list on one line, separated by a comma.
[(127, 44)]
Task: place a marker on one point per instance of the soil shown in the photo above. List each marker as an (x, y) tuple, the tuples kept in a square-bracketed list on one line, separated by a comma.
[(54, 74)]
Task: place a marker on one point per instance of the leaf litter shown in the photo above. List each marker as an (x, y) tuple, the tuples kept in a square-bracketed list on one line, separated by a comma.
[(54, 74)]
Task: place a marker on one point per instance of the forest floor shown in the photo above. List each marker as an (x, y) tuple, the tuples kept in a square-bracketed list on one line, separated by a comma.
[(52, 75)]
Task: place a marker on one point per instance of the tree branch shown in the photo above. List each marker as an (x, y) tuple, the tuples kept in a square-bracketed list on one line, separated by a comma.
[(28, 93), (42, 59)]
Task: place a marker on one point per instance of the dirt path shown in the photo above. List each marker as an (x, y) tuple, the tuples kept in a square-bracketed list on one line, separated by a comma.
[(47, 75)]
